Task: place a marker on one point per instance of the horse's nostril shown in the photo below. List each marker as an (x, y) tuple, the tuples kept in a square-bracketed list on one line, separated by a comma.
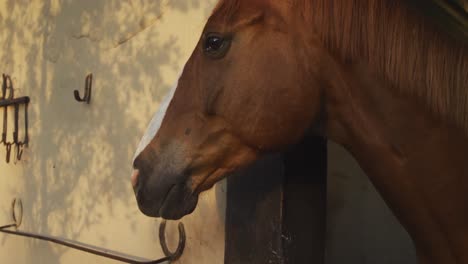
[(134, 177), (136, 162)]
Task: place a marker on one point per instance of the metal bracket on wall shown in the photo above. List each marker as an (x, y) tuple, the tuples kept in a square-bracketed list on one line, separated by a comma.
[(87, 90), (7, 99), (17, 205)]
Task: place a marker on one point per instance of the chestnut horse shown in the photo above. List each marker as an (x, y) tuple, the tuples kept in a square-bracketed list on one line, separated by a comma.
[(372, 75)]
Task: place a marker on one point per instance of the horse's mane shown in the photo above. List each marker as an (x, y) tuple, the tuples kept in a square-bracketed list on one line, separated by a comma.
[(397, 41), (401, 44)]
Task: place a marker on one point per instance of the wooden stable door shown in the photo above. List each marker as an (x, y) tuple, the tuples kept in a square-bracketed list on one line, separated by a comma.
[(276, 209)]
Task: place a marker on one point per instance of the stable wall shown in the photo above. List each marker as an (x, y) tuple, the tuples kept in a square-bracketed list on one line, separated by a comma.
[(74, 179)]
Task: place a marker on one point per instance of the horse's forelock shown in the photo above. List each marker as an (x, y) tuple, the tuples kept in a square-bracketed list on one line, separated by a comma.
[(228, 9)]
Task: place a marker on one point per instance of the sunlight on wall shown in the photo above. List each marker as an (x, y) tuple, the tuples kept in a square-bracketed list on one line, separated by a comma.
[(74, 177)]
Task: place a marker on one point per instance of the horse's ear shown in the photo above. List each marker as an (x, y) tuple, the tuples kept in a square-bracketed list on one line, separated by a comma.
[(275, 12), (253, 18), (269, 12)]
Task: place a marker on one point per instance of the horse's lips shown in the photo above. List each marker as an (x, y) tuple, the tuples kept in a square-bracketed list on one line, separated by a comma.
[(178, 202), (148, 206), (174, 203)]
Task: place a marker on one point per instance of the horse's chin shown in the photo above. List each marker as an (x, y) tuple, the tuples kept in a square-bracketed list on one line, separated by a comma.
[(177, 204)]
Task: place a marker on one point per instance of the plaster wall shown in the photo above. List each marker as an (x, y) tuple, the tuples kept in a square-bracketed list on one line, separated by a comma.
[(74, 179)]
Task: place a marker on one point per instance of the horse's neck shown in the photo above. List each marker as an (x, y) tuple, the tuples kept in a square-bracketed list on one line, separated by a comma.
[(416, 161), (400, 44)]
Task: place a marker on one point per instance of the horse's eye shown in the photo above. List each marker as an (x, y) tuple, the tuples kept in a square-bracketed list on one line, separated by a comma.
[(215, 46), (213, 43)]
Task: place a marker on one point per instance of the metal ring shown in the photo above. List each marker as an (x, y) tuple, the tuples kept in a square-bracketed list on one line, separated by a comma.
[(162, 240), (17, 220)]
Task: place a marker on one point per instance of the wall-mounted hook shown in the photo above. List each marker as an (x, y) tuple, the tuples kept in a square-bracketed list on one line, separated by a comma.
[(8, 151), (19, 152), (15, 131), (5, 126), (162, 240), (7, 99), (87, 90), (7, 84)]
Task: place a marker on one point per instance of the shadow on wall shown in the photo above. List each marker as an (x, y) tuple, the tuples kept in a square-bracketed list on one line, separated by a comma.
[(77, 167)]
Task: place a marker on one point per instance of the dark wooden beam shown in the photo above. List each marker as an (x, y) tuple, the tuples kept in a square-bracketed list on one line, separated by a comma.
[(276, 208), (304, 202)]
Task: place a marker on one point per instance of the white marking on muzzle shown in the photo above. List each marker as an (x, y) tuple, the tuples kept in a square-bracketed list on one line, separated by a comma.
[(156, 121)]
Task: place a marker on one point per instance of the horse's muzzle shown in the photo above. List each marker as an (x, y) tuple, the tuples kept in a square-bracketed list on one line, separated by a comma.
[(169, 201)]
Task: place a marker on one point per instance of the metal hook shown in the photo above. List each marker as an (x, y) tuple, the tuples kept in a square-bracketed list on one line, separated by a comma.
[(7, 85), (17, 220), (5, 124), (7, 99), (4, 86), (8, 151), (26, 123), (87, 90), (15, 131), (162, 240), (19, 151), (5, 111)]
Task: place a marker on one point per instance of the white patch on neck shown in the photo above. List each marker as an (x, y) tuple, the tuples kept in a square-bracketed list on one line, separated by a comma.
[(156, 121)]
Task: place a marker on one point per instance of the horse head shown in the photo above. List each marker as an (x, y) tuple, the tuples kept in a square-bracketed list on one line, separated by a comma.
[(245, 91)]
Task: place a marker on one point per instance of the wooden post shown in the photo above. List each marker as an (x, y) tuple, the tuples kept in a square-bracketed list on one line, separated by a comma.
[(276, 209)]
